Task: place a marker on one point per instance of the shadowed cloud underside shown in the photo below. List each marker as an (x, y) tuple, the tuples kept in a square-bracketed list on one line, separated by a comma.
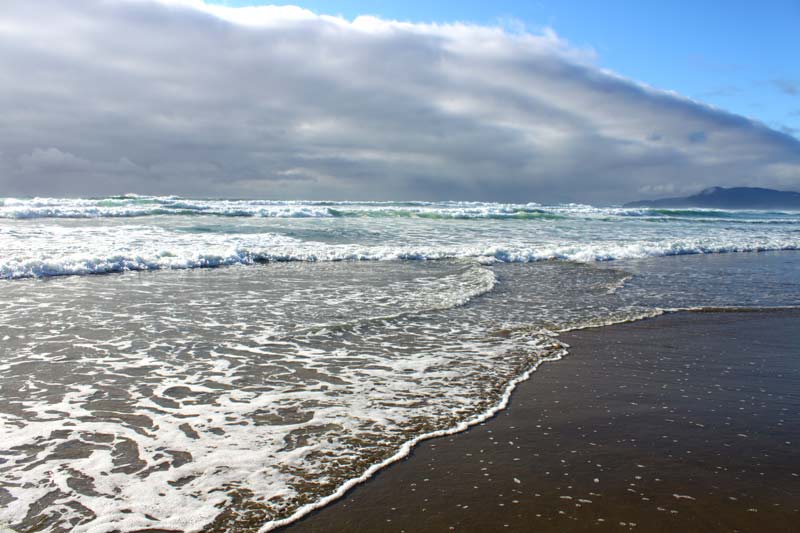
[(180, 97)]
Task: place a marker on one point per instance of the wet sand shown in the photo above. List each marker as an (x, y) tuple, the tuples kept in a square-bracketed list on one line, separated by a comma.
[(685, 422)]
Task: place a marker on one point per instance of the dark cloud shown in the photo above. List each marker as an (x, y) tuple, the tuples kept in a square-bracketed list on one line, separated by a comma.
[(175, 97), (698, 137)]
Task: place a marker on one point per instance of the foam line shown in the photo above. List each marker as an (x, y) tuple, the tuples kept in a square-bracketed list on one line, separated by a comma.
[(406, 448), (11, 268)]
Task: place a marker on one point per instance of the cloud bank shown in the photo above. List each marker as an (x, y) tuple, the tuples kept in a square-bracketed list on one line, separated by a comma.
[(178, 97)]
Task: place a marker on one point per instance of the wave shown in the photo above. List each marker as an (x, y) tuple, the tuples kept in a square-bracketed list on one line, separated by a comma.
[(706, 214), (553, 350), (691, 213), (786, 221), (453, 291), (286, 250), (497, 212), (550, 351), (278, 211), (130, 206)]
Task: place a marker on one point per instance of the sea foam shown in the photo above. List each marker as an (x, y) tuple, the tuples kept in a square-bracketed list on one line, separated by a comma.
[(341, 334)]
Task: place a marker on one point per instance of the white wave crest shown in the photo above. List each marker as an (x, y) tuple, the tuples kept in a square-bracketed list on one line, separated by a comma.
[(209, 253)]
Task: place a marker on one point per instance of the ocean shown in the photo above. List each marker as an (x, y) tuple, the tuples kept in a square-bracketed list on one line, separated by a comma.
[(191, 365)]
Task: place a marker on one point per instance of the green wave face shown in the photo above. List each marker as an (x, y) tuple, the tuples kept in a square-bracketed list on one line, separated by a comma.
[(704, 213), (520, 214), (129, 206)]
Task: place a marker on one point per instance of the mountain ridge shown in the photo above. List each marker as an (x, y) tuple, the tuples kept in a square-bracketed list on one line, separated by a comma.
[(729, 198)]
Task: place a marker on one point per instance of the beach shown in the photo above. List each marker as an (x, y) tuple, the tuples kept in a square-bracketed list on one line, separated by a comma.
[(398, 266), (684, 422), (203, 364)]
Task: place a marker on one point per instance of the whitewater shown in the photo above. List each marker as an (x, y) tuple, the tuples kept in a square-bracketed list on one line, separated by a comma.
[(229, 365), (43, 237)]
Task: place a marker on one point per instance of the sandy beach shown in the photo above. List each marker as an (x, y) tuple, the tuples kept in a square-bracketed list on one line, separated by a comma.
[(309, 266), (684, 422)]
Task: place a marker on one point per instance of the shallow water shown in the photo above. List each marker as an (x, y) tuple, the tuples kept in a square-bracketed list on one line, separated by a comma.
[(235, 396)]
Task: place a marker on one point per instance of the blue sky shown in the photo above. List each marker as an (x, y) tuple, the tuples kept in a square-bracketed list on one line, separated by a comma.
[(741, 56)]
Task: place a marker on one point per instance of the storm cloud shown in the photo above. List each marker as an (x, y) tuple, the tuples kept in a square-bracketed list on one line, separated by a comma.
[(179, 97)]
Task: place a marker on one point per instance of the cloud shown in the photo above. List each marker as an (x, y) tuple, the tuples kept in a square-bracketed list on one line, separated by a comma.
[(789, 130), (724, 91), (180, 97), (52, 159), (786, 86)]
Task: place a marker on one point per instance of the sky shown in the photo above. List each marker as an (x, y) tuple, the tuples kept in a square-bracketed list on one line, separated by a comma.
[(732, 54), (592, 102)]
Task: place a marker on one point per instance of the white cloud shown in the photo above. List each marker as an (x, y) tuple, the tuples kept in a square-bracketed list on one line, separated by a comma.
[(180, 97)]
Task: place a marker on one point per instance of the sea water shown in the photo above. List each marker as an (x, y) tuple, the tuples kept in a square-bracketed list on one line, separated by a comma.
[(331, 337)]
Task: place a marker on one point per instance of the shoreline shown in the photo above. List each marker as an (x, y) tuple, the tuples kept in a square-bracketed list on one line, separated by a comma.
[(407, 449), (360, 495)]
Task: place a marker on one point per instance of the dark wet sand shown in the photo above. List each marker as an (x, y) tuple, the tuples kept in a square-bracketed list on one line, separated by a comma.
[(685, 422)]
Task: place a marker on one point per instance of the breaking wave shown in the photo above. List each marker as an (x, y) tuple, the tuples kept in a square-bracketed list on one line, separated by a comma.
[(286, 251), (130, 206)]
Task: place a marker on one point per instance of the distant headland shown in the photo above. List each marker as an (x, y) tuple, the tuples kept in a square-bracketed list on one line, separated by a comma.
[(729, 198)]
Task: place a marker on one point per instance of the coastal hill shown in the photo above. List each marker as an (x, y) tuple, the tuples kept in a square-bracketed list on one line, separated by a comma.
[(729, 198)]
